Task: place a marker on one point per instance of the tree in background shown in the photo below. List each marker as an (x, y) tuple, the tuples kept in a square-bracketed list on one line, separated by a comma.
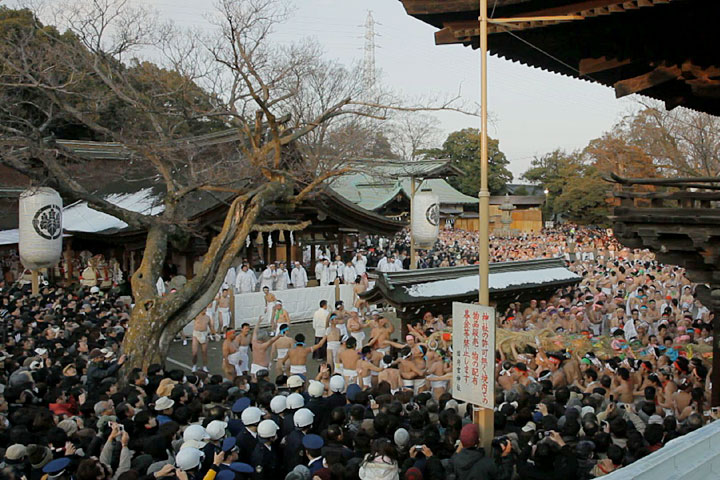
[(463, 149), (277, 114), (576, 189), (681, 142)]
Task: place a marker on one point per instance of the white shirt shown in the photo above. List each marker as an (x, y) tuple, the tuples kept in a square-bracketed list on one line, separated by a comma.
[(230, 276), (332, 272), (298, 277), (160, 286), (349, 274), (360, 264), (282, 279), (383, 265), (396, 266), (319, 321), (629, 329), (267, 278), (245, 282)]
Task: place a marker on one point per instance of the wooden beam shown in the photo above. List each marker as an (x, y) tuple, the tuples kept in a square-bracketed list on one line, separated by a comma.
[(648, 80), (594, 65), (445, 36)]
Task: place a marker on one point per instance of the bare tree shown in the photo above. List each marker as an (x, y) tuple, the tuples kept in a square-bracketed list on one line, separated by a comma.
[(411, 133), (228, 112), (680, 142)]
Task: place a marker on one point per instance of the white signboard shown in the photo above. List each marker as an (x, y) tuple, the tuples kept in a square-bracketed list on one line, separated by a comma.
[(549, 224), (474, 354)]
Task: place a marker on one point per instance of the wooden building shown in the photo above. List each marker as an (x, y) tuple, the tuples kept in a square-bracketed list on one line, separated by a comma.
[(386, 189), (412, 292)]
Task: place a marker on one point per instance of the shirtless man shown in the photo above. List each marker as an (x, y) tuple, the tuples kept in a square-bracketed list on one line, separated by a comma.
[(349, 360), (412, 368), (437, 371), (201, 326), (243, 342), (381, 336), (355, 326), (260, 347), (279, 317), (230, 356), (558, 375), (342, 315), (224, 309), (281, 348), (358, 288), (297, 356), (333, 336), (365, 367), (390, 374), (270, 299), (624, 387)]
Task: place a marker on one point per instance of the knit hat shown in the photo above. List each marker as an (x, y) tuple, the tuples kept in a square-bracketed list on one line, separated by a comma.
[(401, 437), (69, 426), (413, 473), (469, 435), (38, 455)]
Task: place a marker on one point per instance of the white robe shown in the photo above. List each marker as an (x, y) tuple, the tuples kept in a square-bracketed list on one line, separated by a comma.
[(360, 264), (298, 277), (322, 274), (396, 266), (245, 282), (267, 278), (383, 265), (230, 277), (282, 280), (349, 275), (160, 285)]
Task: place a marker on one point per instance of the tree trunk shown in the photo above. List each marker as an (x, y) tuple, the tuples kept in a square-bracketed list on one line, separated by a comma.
[(156, 320)]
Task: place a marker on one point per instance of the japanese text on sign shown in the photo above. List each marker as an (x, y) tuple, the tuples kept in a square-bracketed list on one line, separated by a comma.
[(474, 354)]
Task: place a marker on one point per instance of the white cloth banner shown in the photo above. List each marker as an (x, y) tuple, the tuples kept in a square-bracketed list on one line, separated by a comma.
[(300, 303), (474, 354)]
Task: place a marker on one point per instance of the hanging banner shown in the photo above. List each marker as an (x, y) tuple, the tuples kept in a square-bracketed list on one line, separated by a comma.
[(474, 354)]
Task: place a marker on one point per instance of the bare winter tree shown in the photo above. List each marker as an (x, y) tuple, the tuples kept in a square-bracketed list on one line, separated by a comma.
[(229, 112), (412, 133), (681, 142)]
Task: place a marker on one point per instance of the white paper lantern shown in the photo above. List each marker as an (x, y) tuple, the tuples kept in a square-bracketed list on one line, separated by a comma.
[(425, 218), (40, 228)]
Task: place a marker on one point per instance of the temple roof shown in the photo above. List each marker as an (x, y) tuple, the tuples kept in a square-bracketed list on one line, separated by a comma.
[(663, 49)]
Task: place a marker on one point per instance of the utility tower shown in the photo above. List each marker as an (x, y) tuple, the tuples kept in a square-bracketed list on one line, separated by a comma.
[(369, 60)]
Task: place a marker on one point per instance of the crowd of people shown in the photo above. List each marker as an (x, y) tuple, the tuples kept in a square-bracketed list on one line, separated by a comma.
[(379, 405)]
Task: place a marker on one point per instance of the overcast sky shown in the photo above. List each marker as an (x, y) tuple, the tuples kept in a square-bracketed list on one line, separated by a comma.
[(534, 111)]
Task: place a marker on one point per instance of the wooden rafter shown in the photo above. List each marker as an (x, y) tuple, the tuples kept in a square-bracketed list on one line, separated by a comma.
[(648, 80), (594, 65), (462, 31)]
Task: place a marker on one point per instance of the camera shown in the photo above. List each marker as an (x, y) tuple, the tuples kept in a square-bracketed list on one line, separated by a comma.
[(499, 443)]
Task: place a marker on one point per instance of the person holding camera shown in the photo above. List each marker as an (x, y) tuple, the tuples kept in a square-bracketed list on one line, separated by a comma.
[(470, 462)]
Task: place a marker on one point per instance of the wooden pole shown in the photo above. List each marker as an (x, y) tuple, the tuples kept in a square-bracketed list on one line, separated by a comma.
[(413, 254), (35, 283), (484, 417)]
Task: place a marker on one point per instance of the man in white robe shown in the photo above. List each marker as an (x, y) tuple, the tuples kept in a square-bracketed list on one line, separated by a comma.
[(349, 274), (360, 263), (268, 276), (245, 280), (299, 277), (282, 279)]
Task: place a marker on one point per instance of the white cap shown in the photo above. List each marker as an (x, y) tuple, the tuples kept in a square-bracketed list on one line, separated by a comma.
[(216, 429), (295, 381), (303, 418), (251, 416), (94, 290), (267, 429), (278, 404), (195, 433), (337, 383), (163, 403), (316, 389), (295, 401), (188, 458)]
